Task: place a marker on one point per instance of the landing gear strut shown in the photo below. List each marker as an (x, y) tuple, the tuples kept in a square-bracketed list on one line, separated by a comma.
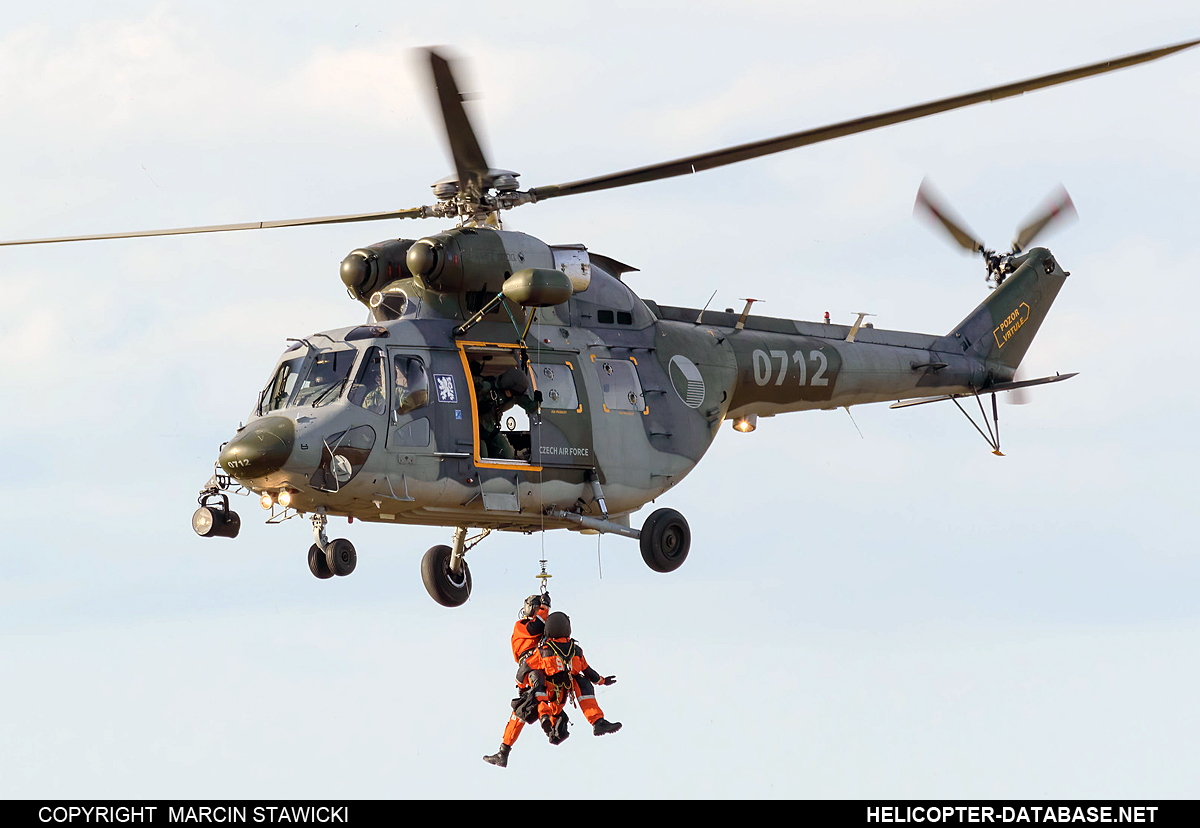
[(444, 569), (665, 537), (327, 558)]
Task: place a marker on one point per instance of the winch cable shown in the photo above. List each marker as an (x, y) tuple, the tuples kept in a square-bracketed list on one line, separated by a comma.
[(543, 575)]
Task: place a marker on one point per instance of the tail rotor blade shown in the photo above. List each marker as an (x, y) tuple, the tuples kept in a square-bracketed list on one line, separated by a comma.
[(1057, 208), (1018, 396), (932, 205)]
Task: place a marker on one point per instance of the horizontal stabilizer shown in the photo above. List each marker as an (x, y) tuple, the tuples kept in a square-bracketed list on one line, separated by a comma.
[(991, 389), (908, 403), (1010, 386)]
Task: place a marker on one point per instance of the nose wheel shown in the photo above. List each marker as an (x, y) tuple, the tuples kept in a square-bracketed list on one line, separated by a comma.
[(327, 558), (317, 563)]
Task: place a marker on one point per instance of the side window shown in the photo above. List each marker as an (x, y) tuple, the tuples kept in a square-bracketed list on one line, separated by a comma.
[(410, 384), (370, 390), (557, 385), (619, 381), (276, 394)]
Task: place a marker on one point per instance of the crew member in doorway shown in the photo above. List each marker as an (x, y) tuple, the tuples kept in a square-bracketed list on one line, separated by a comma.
[(531, 684), (496, 395), (560, 659)]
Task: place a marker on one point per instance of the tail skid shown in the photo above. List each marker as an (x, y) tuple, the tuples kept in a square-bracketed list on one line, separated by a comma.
[(992, 436)]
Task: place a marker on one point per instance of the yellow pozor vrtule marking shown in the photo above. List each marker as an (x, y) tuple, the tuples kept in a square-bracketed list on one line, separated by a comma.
[(1011, 324)]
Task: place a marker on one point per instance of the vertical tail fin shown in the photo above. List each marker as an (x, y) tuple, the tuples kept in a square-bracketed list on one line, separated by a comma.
[(1002, 328)]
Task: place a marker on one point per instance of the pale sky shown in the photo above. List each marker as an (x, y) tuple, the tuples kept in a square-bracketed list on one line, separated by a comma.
[(900, 614)]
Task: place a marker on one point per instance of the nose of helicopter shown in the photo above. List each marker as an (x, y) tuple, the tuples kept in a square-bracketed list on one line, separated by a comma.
[(260, 448)]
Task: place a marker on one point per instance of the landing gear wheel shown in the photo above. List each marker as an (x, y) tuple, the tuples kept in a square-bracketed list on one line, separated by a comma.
[(317, 563), (665, 540), (340, 556), (444, 586)]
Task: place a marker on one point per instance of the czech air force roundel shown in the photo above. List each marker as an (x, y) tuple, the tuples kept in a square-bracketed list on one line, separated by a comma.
[(685, 376)]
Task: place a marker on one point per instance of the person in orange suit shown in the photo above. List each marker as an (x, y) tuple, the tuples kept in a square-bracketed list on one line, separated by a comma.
[(567, 675), (531, 686)]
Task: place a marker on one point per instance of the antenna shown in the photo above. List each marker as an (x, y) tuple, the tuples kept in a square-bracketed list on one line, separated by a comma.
[(700, 315)]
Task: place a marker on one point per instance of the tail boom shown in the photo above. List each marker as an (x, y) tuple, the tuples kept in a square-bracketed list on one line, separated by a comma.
[(784, 365)]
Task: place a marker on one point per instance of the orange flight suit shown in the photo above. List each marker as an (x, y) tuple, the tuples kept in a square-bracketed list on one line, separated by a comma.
[(567, 672), (526, 634)]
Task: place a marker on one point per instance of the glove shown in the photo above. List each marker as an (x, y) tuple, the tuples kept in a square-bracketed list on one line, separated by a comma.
[(608, 681), (546, 600), (537, 397)]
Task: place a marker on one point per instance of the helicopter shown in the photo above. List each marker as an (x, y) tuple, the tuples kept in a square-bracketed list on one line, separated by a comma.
[(386, 421)]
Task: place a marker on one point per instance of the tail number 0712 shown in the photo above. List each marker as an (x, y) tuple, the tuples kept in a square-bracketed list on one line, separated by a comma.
[(764, 364)]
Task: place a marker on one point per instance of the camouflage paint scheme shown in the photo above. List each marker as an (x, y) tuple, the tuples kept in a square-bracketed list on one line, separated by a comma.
[(633, 392)]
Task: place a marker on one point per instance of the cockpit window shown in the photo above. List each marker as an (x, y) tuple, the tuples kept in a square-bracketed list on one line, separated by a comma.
[(369, 390), (411, 384), (367, 332), (276, 394), (327, 374)]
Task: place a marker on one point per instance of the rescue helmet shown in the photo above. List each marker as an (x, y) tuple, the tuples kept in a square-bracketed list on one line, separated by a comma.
[(558, 625), (514, 380), (532, 604)]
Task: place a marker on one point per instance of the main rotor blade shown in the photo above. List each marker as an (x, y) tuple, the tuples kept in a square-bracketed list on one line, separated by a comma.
[(756, 149), (1058, 207), (415, 212), (935, 206), (469, 162)]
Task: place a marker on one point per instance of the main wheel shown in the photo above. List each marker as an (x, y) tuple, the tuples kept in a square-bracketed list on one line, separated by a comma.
[(340, 556), (444, 586), (317, 563), (665, 540)]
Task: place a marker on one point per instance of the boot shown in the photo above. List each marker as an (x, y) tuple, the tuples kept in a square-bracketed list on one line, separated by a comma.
[(549, 729), (560, 729), (500, 757), (604, 726)]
